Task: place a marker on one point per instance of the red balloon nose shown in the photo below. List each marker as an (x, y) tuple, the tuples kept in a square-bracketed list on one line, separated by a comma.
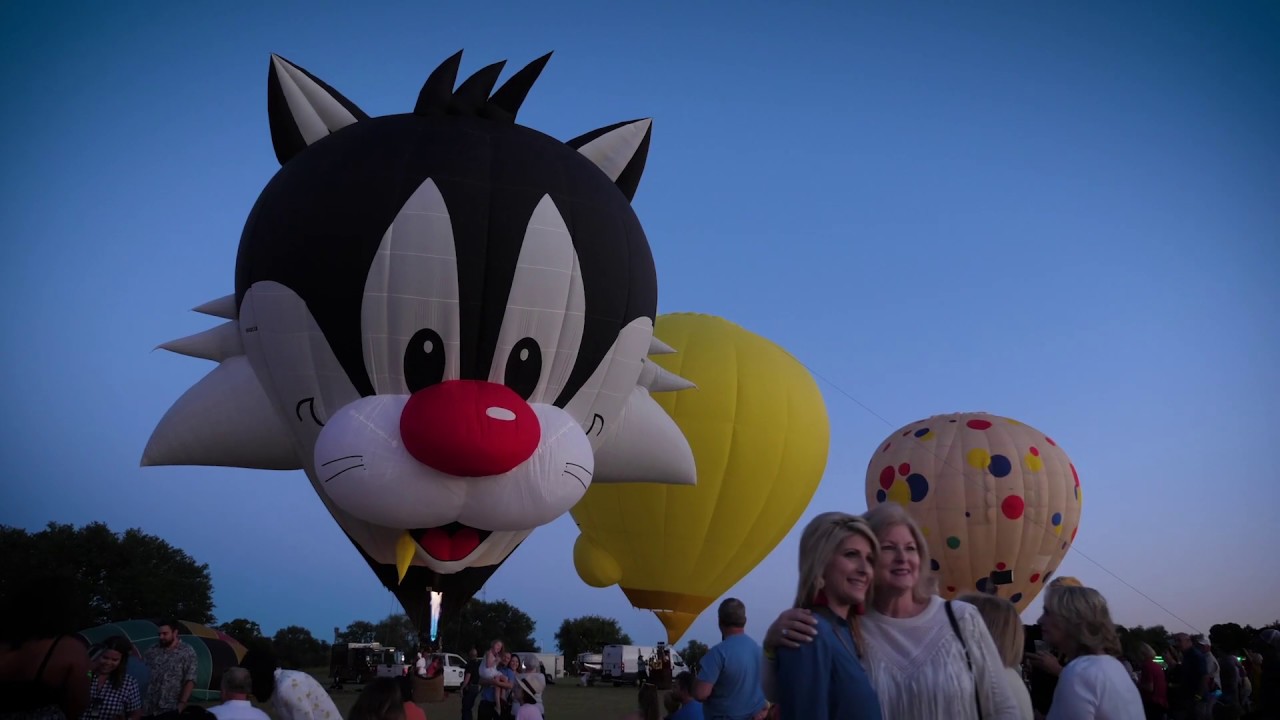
[(469, 428)]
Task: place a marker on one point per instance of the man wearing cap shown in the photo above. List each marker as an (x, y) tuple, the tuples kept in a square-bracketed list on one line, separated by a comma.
[(1212, 667)]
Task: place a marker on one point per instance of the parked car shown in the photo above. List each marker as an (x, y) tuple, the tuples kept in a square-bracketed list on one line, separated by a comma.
[(454, 668), (359, 662)]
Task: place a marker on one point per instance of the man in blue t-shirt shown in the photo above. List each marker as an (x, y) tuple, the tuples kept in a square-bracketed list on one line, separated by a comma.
[(729, 683)]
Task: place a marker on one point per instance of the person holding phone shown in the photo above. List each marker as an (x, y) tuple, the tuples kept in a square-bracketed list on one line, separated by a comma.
[(1043, 666)]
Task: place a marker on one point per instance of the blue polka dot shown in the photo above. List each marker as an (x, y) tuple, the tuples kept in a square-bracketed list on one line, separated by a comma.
[(933, 565), (919, 486), (1046, 577), (981, 585), (1015, 597), (1000, 466), (922, 432), (1056, 519), (966, 514), (880, 496)]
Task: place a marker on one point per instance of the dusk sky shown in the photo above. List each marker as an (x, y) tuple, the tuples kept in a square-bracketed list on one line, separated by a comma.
[(1066, 216)]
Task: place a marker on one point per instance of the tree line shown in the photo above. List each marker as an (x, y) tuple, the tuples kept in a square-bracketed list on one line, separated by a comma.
[(133, 575)]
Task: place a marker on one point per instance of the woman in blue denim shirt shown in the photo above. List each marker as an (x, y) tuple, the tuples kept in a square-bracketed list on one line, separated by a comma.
[(824, 679)]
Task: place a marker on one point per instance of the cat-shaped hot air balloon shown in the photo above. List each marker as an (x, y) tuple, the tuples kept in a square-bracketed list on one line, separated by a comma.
[(442, 317)]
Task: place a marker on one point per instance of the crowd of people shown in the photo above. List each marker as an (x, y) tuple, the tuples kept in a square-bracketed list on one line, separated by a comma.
[(869, 637), (46, 673)]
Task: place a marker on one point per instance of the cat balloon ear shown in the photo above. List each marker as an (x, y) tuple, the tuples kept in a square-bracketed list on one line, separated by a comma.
[(303, 109), (619, 150)]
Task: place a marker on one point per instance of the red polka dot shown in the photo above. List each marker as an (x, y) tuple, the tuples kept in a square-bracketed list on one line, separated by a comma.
[(886, 477), (951, 588), (1012, 507), (886, 447), (1000, 566), (1074, 474), (1073, 534), (1035, 577), (978, 424), (1050, 441), (1035, 451), (904, 469), (906, 433)]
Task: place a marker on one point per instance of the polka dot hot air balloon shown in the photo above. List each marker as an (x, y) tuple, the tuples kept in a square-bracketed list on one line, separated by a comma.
[(998, 501)]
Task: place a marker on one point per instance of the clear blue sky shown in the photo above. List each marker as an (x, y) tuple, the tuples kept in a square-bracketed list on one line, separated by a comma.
[(1069, 216)]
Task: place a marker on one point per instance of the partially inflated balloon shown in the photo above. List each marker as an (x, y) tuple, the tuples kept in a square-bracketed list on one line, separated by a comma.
[(758, 428), (998, 501), (215, 651)]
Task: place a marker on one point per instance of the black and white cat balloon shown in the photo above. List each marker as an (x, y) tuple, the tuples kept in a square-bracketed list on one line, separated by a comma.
[(442, 317)]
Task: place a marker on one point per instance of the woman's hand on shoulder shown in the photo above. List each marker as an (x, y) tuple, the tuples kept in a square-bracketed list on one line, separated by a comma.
[(792, 629)]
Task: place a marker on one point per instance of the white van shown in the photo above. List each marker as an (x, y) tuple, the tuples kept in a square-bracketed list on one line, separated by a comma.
[(621, 663), (552, 665)]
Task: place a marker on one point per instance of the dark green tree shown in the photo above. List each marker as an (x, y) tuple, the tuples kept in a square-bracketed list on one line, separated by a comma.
[(358, 632), (588, 634), (115, 576), (247, 632), (396, 631), (693, 652), (480, 623), (296, 648), (1155, 636), (1231, 637)]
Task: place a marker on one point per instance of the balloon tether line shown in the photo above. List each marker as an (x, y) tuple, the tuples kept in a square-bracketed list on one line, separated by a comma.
[(1070, 548)]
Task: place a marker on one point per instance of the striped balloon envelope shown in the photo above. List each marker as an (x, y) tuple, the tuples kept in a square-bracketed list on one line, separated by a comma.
[(998, 501), (215, 651)]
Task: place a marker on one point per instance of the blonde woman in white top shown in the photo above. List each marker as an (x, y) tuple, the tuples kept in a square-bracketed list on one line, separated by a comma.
[(1005, 626), (927, 658), (1094, 684)]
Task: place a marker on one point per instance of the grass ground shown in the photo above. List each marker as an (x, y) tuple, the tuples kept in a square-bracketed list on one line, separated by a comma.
[(565, 700)]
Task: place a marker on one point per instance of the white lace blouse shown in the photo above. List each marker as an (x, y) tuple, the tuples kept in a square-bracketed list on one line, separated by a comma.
[(918, 668)]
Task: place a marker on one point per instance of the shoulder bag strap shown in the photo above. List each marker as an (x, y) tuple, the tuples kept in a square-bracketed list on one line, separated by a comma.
[(955, 627), (48, 654)]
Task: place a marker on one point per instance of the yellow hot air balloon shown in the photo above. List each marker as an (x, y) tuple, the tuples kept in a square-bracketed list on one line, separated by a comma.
[(758, 429), (998, 501)]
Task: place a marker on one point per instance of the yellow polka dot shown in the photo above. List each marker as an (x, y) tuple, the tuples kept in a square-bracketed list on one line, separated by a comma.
[(978, 458), (900, 493), (928, 436), (1011, 421), (1034, 462), (924, 531), (1058, 530)]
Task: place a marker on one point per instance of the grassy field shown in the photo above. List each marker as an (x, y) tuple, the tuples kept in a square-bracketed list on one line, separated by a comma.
[(565, 700)]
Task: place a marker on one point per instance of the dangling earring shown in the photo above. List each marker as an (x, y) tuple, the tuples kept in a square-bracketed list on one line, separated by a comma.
[(820, 597)]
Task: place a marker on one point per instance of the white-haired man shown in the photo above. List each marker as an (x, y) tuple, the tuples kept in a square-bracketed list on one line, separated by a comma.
[(236, 686)]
